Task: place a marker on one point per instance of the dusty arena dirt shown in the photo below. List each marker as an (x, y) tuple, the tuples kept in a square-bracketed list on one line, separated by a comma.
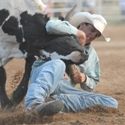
[(112, 57)]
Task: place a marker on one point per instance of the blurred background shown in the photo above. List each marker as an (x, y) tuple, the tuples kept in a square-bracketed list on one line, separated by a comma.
[(112, 10)]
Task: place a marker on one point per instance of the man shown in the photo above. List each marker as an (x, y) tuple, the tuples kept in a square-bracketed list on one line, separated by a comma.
[(48, 79), (90, 69)]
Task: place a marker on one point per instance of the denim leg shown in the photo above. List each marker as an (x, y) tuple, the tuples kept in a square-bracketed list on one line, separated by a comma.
[(76, 100), (44, 80)]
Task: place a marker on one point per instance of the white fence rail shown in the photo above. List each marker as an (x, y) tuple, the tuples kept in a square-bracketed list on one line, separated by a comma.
[(110, 9)]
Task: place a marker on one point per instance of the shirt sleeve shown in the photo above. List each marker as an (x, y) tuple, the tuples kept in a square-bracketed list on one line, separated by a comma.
[(92, 70), (55, 26)]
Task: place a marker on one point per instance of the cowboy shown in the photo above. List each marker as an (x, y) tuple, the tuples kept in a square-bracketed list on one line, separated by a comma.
[(49, 80)]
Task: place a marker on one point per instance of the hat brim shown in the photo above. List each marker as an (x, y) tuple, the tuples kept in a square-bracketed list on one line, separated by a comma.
[(103, 38)]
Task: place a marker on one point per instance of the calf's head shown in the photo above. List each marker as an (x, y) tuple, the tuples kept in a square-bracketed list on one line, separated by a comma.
[(65, 47)]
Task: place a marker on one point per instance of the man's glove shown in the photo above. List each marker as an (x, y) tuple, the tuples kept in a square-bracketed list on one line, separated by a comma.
[(76, 75)]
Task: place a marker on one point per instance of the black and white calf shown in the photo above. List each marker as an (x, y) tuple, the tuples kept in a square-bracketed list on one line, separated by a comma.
[(23, 35)]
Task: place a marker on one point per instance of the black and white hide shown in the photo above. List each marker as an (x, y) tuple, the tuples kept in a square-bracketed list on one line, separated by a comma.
[(23, 35)]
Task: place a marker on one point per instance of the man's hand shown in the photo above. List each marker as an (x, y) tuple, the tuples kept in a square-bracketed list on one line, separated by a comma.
[(76, 75), (82, 37)]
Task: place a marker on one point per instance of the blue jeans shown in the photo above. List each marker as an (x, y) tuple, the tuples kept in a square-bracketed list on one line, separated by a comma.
[(48, 79)]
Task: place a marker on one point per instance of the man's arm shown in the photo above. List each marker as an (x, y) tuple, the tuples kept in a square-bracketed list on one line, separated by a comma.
[(88, 74), (87, 82), (92, 70), (56, 26), (64, 27)]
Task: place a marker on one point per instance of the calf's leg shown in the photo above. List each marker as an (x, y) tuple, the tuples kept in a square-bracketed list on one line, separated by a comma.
[(21, 89), (4, 100)]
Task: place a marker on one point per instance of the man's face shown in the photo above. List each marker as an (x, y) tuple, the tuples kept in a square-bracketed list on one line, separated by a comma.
[(90, 31)]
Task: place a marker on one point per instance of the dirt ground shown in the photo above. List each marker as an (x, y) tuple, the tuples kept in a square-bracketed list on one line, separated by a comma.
[(112, 57)]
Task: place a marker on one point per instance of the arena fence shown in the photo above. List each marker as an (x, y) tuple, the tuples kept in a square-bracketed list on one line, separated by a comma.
[(110, 9)]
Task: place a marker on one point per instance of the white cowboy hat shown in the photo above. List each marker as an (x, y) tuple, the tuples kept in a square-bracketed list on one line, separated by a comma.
[(96, 20)]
